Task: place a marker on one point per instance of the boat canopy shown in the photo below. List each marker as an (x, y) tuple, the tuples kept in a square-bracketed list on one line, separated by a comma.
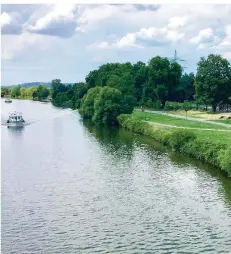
[(15, 116)]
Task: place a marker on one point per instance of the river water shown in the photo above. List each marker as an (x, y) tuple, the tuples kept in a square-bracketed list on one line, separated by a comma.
[(68, 187)]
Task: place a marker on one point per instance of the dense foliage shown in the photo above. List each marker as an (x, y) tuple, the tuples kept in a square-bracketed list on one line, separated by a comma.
[(213, 81), (159, 84), (104, 104), (40, 92)]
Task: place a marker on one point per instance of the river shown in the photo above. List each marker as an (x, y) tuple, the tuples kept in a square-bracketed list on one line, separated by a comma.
[(68, 187)]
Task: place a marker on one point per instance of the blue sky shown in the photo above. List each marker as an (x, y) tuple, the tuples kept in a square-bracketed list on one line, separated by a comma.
[(43, 42)]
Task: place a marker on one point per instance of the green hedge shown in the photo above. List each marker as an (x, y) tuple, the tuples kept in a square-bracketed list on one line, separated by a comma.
[(173, 106), (184, 141)]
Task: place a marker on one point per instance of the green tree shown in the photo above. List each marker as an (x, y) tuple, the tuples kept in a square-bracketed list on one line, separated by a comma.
[(161, 93), (15, 92), (78, 92), (87, 103), (158, 76), (140, 74), (187, 85), (175, 93), (124, 83), (5, 91), (213, 80), (57, 87), (42, 92), (108, 105)]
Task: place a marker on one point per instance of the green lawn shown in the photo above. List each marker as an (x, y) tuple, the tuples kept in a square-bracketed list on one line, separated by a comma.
[(163, 119), (223, 121), (216, 136)]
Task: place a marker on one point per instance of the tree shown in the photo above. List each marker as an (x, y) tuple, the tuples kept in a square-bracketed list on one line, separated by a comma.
[(57, 87), (140, 74), (108, 105), (175, 93), (161, 93), (87, 103), (79, 90), (5, 91), (187, 85), (42, 92), (91, 78), (158, 76), (124, 83), (15, 92), (213, 80)]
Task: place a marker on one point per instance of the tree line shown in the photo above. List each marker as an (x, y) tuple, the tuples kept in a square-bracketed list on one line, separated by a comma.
[(116, 88), (40, 92)]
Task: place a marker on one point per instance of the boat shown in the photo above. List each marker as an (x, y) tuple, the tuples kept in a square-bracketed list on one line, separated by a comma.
[(8, 101), (15, 119)]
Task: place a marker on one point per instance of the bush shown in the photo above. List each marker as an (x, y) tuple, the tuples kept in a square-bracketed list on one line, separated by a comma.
[(179, 138), (173, 106), (225, 158), (87, 103), (170, 106)]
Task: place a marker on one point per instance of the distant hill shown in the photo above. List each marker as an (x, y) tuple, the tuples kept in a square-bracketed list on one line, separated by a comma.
[(31, 84)]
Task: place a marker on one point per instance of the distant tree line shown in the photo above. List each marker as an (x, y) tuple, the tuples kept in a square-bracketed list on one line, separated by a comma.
[(40, 92)]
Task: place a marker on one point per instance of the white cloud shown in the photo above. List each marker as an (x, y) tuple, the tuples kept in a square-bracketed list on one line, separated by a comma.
[(60, 21), (205, 38), (132, 26), (5, 19), (146, 36), (10, 23), (93, 15), (103, 44), (224, 47), (13, 45), (177, 22)]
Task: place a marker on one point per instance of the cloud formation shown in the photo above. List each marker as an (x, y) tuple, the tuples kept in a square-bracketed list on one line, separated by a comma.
[(151, 36), (60, 21), (10, 23), (205, 38), (95, 34)]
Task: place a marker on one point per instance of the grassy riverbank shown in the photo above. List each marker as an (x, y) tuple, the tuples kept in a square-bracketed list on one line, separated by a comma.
[(180, 122), (210, 146)]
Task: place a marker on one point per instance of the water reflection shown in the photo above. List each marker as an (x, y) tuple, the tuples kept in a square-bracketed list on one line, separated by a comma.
[(119, 144), (122, 144), (16, 129)]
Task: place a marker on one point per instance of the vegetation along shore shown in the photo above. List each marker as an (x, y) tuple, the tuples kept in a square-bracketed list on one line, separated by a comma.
[(189, 113)]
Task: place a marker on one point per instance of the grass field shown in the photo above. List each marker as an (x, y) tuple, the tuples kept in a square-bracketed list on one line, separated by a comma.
[(223, 121), (164, 119)]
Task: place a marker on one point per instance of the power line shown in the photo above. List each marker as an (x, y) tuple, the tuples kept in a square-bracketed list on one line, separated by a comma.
[(177, 59)]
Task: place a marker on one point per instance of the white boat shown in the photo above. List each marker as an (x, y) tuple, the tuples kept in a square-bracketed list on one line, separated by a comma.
[(15, 119)]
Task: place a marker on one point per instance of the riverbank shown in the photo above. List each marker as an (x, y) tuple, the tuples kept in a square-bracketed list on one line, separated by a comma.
[(27, 99), (208, 145)]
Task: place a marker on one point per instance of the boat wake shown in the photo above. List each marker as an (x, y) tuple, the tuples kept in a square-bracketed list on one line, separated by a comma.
[(4, 123)]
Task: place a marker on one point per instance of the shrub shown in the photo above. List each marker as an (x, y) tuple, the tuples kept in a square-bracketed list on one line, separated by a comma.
[(87, 103), (179, 138), (225, 160), (172, 106)]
